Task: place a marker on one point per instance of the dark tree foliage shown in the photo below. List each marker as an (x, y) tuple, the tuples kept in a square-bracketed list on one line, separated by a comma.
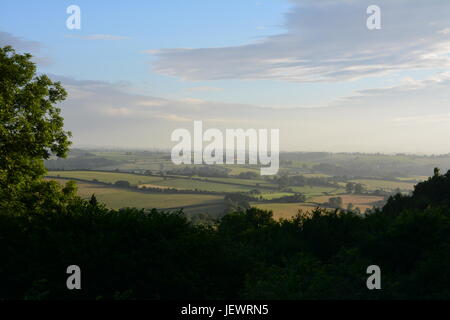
[(137, 254), (31, 128)]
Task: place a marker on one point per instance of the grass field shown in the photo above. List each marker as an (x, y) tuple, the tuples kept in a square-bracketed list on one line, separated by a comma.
[(155, 162), (316, 191), (245, 182), (272, 195), (117, 198), (188, 184), (374, 184), (135, 180), (300, 164), (413, 179), (106, 177), (316, 175), (235, 169)]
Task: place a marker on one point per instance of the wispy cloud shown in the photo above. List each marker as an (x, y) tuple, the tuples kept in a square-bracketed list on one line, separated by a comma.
[(23, 45), (98, 37), (327, 40), (206, 89), (193, 101), (18, 43), (433, 119), (411, 117)]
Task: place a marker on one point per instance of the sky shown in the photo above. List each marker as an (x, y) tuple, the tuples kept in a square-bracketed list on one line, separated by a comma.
[(137, 70)]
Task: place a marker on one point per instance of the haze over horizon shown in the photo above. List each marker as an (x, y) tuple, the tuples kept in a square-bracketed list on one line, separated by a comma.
[(134, 73)]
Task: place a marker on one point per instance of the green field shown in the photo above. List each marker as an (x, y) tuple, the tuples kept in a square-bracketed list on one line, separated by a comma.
[(117, 198), (134, 180), (245, 182), (192, 203), (374, 184), (155, 162), (316, 175), (311, 191), (106, 177), (236, 169), (273, 195), (195, 203), (192, 184), (413, 179)]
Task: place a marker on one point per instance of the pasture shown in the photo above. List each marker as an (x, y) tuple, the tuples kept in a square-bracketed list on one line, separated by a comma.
[(117, 198), (181, 183), (387, 185)]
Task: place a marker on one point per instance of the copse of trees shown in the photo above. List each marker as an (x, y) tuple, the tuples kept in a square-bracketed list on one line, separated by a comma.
[(122, 184), (237, 202), (295, 198), (334, 202), (248, 175), (352, 187)]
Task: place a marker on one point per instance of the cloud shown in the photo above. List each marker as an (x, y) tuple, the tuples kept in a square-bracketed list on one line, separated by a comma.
[(152, 102), (444, 31), (98, 37), (22, 45), (194, 101), (118, 111), (434, 119), (411, 117), (327, 41), (206, 89), (173, 117), (18, 43)]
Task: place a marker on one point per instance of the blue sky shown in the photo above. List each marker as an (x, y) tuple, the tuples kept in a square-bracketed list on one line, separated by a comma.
[(151, 66), (147, 25), (156, 25)]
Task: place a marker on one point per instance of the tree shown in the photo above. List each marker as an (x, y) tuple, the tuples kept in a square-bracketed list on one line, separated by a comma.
[(350, 207), (31, 128), (283, 182), (437, 172), (359, 188), (122, 184), (349, 187), (335, 202), (93, 201), (248, 175)]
